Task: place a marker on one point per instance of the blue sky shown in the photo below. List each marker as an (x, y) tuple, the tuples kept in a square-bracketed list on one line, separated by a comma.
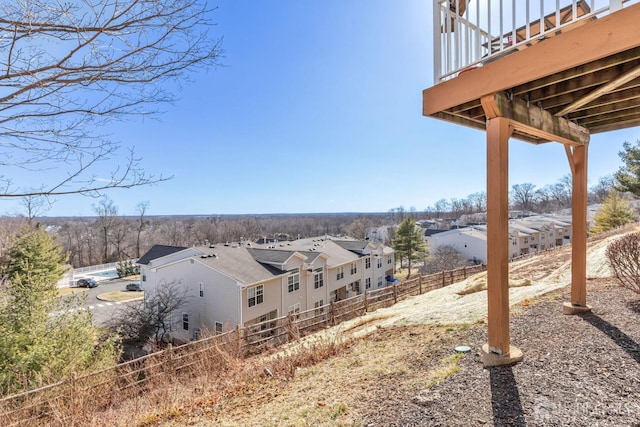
[(318, 109)]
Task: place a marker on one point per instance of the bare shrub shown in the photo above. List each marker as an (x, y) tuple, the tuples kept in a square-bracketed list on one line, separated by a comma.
[(624, 259)]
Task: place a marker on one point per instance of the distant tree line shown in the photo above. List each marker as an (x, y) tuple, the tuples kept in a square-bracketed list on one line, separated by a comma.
[(111, 237), (525, 197)]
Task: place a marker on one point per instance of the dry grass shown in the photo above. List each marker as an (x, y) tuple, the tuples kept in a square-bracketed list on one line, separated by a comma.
[(315, 388), (70, 291), (116, 296)]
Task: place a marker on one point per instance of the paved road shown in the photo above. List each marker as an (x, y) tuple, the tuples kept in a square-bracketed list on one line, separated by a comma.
[(103, 310)]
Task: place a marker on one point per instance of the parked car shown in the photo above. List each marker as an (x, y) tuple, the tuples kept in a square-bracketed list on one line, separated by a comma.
[(87, 283), (134, 287)]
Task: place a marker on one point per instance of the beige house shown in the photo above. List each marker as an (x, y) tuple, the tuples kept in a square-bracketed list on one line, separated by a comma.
[(245, 283)]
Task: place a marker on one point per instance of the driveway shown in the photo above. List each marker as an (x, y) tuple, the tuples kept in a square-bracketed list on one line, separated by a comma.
[(103, 310)]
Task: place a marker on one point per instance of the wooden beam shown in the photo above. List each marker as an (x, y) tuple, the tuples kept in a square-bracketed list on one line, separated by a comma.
[(597, 122), (582, 70), (498, 133), (621, 108), (579, 227), (603, 90), (535, 121), (567, 149), (606, 36), (628, 122)]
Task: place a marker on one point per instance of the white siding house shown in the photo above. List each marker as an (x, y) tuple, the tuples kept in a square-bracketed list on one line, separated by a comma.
[(245, 283)]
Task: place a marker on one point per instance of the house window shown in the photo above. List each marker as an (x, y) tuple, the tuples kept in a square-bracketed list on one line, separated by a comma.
[(340, 274), (201, 290), (379, 262), (269, 316), (185, 321), (380, 281), (218, 327), (354, 268), (294, 281), (294, 309), (144, 277), (526, 240), (255, 295), (318, 280), (355, 286), (389, 260), (367, 262), (318, 305), (367, 283)]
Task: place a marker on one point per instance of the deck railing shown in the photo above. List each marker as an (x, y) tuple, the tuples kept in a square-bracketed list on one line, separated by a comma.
[(471, 33)]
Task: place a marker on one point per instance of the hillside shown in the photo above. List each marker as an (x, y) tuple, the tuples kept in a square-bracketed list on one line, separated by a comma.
[(397, 366)]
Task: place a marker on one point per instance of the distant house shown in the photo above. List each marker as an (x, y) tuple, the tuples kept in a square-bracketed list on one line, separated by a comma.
[(526, 236), (471, 242), (245, 283)]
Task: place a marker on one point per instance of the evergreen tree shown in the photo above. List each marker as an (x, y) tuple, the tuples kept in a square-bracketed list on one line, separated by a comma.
[(628, 176), (615, 212), (43, 337), (409, 242)]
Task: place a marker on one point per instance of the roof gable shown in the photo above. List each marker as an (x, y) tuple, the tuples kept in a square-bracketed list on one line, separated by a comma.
[(159, 251)]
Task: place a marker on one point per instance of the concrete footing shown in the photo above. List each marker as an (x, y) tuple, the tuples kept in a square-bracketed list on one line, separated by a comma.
[(493, 359), (570, 308)]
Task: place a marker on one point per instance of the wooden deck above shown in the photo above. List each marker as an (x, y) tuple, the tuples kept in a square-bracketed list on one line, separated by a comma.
[(589, 76)]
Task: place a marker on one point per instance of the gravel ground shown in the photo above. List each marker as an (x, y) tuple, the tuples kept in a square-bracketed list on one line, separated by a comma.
[(581, 370)]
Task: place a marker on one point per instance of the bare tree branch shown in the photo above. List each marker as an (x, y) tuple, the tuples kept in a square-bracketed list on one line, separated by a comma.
[(68, 69)]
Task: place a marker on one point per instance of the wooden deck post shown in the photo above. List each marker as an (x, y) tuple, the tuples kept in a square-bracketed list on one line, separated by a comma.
[(578, 162), (498, 350)]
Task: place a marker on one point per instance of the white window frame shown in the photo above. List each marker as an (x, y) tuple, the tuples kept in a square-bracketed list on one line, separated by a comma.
[(354, 268), (294, 309), (379, 264), (293, 281), (340, 273), (185, 321), (219, 327), (201, 290), (367, 262), (367, 283), (318, 280), (255, 293)]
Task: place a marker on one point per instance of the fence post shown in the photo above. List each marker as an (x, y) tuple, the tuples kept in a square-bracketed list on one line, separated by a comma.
[(74, 396), (170, 369), (420, 284), (464, 272), (366, 303), (443, 279), (333, 313), (395, 294), (239, 339)]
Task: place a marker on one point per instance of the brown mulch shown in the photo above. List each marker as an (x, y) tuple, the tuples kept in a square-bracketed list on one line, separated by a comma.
[(581, 370)]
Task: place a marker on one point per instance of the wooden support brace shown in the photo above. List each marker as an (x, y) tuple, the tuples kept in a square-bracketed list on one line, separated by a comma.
[(533, 120)]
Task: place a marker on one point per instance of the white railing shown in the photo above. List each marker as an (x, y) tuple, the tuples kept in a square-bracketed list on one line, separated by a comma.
[(470, 33)]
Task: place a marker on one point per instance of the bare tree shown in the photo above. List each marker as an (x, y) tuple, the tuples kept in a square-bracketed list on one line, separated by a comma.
[(601, 190), (359, 228), (479, 201), (523, 196), (107, 214), (153, 317), (34, 206), (69, 68), (444, 258), (142, 209)]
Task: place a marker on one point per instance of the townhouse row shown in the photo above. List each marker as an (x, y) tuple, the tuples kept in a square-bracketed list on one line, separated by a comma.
[(526, 235), (245, 283)]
